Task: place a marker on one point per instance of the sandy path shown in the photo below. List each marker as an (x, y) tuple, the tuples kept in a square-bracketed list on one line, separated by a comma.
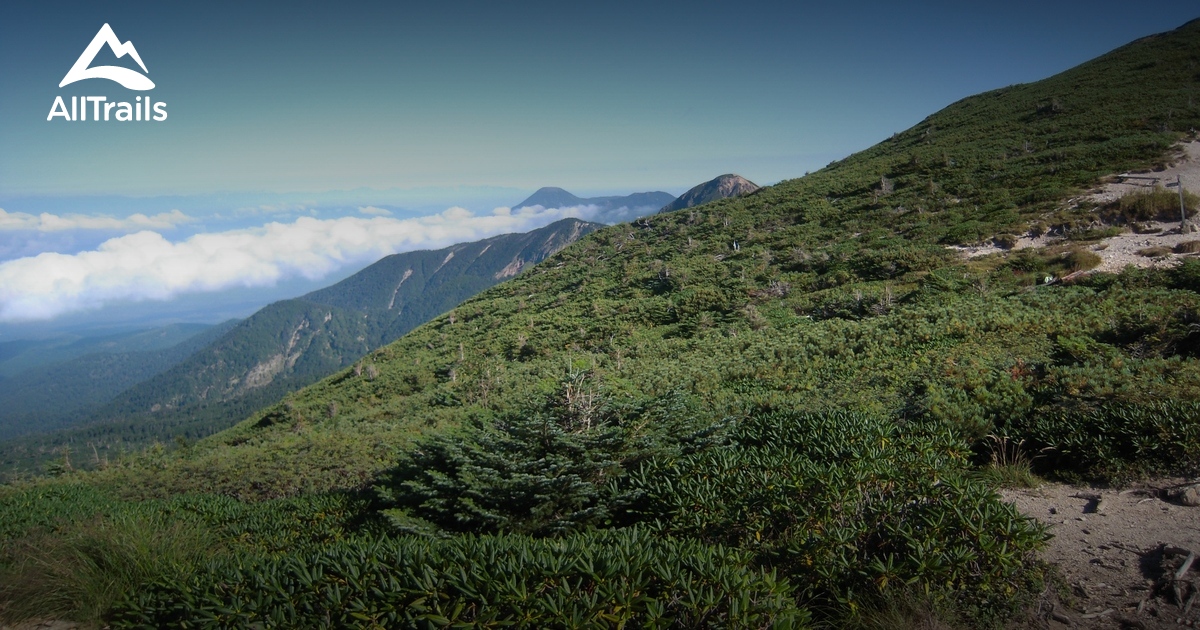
[(1117, 551), (1186, 166), (1122, 250)]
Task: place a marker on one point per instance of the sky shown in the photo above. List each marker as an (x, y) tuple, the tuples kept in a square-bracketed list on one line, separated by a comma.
[(305, 139)]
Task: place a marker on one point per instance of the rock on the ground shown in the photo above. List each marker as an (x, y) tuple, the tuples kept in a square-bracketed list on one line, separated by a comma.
[(1187, 495)]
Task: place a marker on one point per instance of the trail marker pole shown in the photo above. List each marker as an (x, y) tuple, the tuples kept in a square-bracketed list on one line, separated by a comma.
[(1183, 226)]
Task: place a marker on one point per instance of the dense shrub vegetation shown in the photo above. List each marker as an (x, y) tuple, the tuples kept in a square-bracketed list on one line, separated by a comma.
[(608, 580), (756, 411), (846, 503)]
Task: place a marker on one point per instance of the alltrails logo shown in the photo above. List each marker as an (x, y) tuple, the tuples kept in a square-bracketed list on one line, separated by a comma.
[(102, 108)]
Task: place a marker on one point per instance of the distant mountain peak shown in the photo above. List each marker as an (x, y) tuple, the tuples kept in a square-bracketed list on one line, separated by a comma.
[(551, 197), (552, 190), (722, 187), (608, 209)]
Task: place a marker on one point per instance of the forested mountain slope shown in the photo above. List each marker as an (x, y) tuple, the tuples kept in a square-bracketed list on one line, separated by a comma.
[(291, 343), (20, 355), (759, 412), (46, 396)]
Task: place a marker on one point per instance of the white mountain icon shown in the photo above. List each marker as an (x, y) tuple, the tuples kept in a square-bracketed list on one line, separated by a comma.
[(126, 77)]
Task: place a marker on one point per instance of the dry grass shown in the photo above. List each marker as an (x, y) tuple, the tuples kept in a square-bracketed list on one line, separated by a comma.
[(1010, 466), (1158, 204), (80, 572), (1081, 260), (1158, 251), (902, 610), (1188, 247), (1005, 241)]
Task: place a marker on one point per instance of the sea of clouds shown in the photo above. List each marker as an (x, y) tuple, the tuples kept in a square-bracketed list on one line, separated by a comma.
[(145, 265), (47, 222)]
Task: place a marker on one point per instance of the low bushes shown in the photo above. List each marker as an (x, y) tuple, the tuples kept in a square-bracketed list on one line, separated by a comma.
[(849, 506), (611, 579), (1118, 442), (73, 551)]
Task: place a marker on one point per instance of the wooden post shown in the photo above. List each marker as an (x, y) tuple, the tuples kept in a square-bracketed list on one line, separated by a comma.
[(1183, 224)]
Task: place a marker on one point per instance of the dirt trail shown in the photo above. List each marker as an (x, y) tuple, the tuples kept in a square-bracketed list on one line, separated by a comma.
[(1122, 250), (1185, 165), (1118, 552)]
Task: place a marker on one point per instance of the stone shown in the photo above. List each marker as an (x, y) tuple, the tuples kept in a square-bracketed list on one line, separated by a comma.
[(1187, 495)]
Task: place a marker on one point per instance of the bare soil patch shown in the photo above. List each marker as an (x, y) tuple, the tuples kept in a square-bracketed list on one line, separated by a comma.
[(1185, 165), (1119, 552), (1122, 250)]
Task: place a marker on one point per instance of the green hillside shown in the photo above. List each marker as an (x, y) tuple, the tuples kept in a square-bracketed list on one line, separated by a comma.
[(770, 410), (281, 348), (403, 291), (816, 293)]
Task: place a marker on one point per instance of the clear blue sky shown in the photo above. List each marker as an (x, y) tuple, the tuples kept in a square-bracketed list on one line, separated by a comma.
[(593, 97)]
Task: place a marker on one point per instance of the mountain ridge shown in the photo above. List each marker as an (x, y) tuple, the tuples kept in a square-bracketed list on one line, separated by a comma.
[(553, 197), (341, 321), (291, 343), (720, 187)]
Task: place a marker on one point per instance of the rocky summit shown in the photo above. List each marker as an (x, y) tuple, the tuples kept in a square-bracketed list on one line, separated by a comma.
[(722, 187)]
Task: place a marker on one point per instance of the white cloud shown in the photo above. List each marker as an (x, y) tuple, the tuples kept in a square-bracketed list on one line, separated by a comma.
[(147, 266), (46, 222), (600, 214), (378, 212)]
